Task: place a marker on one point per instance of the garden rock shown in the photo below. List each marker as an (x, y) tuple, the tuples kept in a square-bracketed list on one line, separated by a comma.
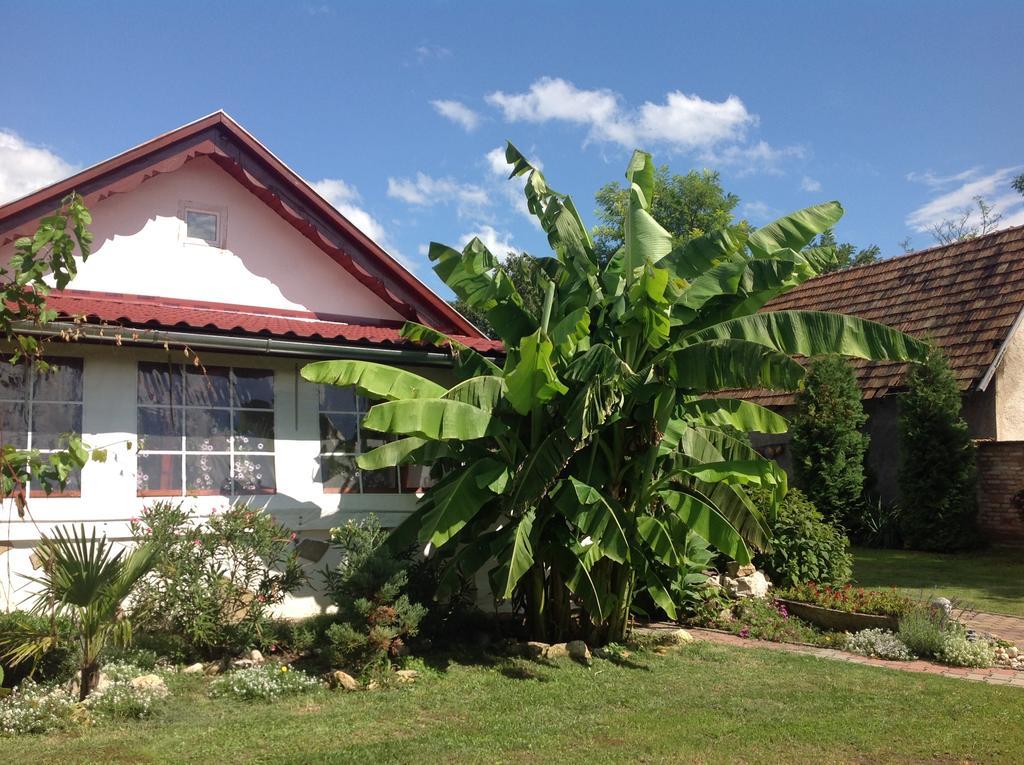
[(256, 657), (212, 669), (678, 637), (194, 669), (243, 664), (578, 651), (154, 684), (752, 586), (102, 681), (735, 570), (407, 675), (344, 680), (557, 651), (535, 650)]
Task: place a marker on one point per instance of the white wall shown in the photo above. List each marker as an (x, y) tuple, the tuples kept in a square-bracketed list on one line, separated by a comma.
[(1009, 385), (138, 249), (108, 497)]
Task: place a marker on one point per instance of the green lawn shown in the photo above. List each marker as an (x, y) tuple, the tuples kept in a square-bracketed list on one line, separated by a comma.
[(703, 704), (989, 580)]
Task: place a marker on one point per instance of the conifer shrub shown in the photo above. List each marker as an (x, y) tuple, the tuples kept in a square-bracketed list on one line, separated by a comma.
[(828, 444), (937, 475)]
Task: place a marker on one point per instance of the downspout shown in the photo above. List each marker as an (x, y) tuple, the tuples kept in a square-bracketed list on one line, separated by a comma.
[(264, 345)]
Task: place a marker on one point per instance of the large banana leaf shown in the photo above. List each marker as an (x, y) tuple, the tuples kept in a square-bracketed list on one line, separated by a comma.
[(745, 416), (437, 419), (705, 520), (468, 362), (532, 380), (455, 500), (816, 333), (404, 451), (376, 381), (647, 241), (795, 230), (719, 364), (515, 558), (483, 392)]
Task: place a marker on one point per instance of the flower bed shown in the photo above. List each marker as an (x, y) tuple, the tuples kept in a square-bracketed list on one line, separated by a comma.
[(849, 599)]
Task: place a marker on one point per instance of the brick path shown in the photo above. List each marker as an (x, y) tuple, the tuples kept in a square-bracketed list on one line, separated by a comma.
[(996, 676), (1009, 628)]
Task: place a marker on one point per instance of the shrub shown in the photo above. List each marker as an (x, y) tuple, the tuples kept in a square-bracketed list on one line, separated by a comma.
[(880, 644), (805, 547), (957, 651), (850, 599), (215, 583), (827, 442), (123, 701), (923, 631), (58, 663), (33, 708), (375, 616), (142, 659), (937, 473), (265, 683)]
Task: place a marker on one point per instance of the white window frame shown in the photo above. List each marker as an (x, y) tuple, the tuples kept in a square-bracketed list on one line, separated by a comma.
[(187, 206), (362, 406)]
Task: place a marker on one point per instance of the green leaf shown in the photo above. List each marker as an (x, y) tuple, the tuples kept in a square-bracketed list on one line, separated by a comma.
[(411, 450), (532, 380), (483, 392), (795, 230), (712, 365), (705, 520), (376, 381), (745, 416), (436, 419), (816, 333), (468, 362), (452, 503), (654, 533), (516, 558)]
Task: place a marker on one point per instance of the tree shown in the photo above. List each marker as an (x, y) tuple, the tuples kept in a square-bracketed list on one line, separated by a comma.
[(847, 254), (961, 229), (937, 473), (47, 255), (688, 206), (827, 442), (522, 271), (576, 469), (1018, 183), (86, 582)]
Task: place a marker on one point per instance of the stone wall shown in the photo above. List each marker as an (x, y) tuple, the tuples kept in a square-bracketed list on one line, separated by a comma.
[(1001, 491)]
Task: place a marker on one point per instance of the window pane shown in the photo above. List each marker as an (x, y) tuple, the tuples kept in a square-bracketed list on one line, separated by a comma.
[(210, 389), (254, 474), (61, 382), (338, 433), (208, 474), (336, 399), (13, 425), (415, 477), (159, 474), (207, 430), (50, 421), (12, 381), (254, 431), (339, 473), (160, 428), (201, 225), (72, 488), (383, 481), (159, 384), (254, 388)]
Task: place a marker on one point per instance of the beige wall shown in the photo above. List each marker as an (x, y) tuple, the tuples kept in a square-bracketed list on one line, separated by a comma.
[(1009, 391)]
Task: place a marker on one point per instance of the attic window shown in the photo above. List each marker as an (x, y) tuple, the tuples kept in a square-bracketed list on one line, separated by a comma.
[(204, 224)]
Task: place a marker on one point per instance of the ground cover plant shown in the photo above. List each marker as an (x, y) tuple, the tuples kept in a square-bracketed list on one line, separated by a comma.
[(879, 644), (588, 456), (849, 598), (477, 710), (989, 580)]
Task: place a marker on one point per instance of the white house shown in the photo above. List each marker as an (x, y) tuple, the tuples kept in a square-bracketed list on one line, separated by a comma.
[(207, 246)]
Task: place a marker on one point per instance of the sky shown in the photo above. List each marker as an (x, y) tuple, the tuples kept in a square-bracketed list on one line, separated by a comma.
[(397, 113)]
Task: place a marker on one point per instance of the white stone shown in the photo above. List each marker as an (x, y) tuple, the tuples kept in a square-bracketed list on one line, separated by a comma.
[(256, 656), (557, 651), (754, 586), (152, 683), (679, 637), (407, 675), (344, 680), (193, 669)]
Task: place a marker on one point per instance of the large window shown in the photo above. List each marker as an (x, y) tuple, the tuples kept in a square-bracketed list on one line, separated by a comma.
[(38, 408), (343, 438), (205, 430)]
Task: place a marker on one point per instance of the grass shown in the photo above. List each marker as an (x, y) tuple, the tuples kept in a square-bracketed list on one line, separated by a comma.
[(702, 704), (987, 580)]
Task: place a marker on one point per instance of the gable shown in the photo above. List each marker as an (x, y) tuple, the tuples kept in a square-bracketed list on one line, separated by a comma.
[(140, 248)]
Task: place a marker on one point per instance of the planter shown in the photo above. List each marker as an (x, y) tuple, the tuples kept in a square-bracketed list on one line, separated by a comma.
[(839, 621)]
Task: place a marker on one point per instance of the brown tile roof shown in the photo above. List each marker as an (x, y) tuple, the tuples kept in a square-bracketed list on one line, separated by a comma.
[(964, 296)]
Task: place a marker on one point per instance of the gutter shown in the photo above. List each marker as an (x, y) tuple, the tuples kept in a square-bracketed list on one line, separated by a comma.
[(263, 345)]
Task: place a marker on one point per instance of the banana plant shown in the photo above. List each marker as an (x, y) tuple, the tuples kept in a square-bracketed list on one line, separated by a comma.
[(579, 469)]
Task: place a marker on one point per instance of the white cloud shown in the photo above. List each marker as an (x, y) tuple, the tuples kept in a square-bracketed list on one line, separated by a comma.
[(928, 178), (345, 198), (25, 168), (499, 244), (753, 158), (810, 184), (459, 113), (682, 122), (994, 187), (426, 191), (758, 212), (429, 51)]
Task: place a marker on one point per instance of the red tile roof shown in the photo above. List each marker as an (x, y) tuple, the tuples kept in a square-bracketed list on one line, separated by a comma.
[(965, 296), (146, 312)]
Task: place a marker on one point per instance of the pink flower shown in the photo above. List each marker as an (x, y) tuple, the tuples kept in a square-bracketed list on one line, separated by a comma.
[(196, 542), (135, 520), (294, 536), (745, 632)]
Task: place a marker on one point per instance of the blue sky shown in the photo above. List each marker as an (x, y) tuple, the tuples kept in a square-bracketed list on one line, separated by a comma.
[(902, 111)]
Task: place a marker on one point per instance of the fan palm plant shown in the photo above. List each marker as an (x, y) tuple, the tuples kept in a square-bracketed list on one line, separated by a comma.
[(87, 582), (579, 468)]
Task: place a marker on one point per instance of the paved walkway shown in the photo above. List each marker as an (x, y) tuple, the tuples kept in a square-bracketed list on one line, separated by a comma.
[(996, 676), (1009, 628)]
